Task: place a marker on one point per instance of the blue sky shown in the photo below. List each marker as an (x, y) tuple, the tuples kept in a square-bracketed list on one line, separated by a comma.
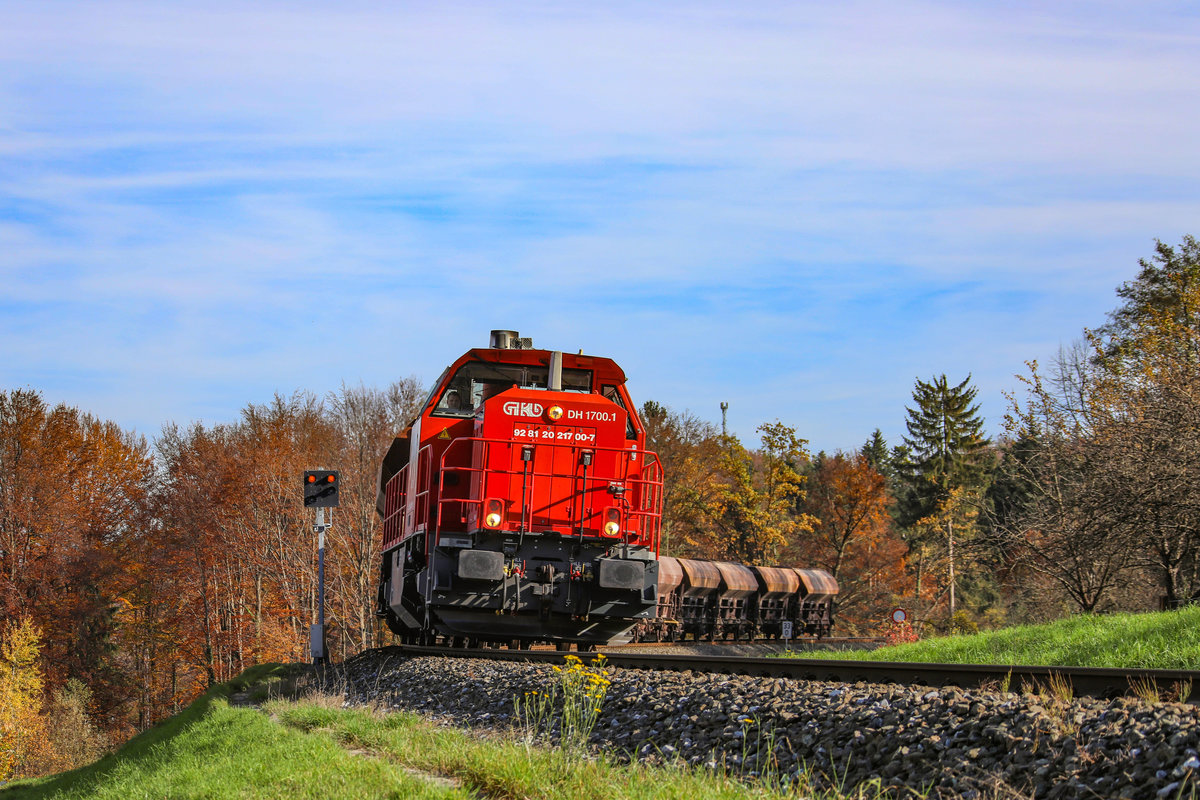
[(796, 208)]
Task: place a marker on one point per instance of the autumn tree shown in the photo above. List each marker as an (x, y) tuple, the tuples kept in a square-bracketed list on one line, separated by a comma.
[(1162, 296), (22, 729), (1116, 431), (1145, 414), (72, 737), (1056, 516), (366, 421), (73, 493), (756, 510), (853, 538), (689, 452)]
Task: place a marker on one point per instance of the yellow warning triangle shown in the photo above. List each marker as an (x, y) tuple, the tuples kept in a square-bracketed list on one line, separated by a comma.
[(445, 434)]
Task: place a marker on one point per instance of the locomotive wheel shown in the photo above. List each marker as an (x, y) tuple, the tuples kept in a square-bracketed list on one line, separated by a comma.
[(585, 647), (562, 647)]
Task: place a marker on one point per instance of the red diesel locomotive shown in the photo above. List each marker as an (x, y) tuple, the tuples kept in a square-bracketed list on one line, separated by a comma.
[(521, 504)]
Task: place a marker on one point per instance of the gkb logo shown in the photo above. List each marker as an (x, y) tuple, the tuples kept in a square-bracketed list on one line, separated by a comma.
[(515, 409)]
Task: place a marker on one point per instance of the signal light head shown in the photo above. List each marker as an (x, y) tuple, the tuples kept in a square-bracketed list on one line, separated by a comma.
[(321, 488)]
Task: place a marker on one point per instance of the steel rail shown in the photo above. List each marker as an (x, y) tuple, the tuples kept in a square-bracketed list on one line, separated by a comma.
[(807, 643), (1084, 681)]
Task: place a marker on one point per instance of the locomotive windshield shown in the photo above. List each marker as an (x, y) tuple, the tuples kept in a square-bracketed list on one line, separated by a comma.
[(478, 380)]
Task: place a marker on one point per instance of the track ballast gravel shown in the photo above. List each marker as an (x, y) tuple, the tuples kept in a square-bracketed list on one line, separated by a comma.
[(938, 742)]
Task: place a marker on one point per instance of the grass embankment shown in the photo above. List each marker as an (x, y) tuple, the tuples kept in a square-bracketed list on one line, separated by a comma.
[(213, 749), (312, 747), (1161, 640)]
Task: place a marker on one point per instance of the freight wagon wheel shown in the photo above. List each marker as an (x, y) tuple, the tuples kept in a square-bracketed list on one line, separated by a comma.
[(562, 647), (586, 648)]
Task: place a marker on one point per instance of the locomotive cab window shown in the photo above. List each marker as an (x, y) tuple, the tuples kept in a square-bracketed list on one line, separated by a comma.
[(476, 381), (611, 393)]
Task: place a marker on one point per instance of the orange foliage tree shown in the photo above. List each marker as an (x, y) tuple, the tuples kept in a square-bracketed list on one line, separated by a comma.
[(854, 540), (73, 496)]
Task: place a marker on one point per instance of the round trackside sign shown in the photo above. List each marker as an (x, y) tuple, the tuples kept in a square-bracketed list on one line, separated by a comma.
[(899, 615)]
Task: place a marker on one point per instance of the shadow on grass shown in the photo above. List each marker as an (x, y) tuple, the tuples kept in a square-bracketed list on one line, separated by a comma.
[(144, 745)]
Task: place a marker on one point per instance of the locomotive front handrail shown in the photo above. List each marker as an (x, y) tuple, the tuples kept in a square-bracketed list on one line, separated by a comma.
[(649, 486)]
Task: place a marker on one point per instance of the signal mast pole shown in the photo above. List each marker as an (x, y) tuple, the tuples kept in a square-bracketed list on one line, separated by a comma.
[(320, 493), (318, 636)]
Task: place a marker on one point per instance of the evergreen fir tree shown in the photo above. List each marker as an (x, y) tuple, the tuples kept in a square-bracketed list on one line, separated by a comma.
[(947, 467), (875, 451), (946, 446)]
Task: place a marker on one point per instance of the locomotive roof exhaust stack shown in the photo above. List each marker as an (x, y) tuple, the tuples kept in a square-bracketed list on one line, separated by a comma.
[(554, 383), (509, 340)]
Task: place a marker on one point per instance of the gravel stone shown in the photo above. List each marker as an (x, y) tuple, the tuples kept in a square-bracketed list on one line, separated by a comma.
[(939, 743)]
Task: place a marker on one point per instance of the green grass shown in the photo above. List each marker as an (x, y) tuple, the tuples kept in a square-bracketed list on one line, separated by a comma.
[(502, 767), (1161, 640), (313, 747), (215, 750)]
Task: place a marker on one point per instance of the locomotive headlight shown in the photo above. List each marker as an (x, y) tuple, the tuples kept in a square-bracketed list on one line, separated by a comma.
[(493, 512), (612, 522), (555, 412)]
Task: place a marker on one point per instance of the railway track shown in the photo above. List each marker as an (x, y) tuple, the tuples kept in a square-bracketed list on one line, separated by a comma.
[(1084, 681), (807, 643)]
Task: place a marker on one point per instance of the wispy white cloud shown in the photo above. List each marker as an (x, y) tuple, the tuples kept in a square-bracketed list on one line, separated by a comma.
[(798, 208)]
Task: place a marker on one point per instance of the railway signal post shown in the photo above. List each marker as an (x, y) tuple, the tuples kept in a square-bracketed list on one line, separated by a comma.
[(320, 493)]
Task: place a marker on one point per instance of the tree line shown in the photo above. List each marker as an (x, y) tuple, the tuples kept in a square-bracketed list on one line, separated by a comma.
[(138, 572), (1088, 499)]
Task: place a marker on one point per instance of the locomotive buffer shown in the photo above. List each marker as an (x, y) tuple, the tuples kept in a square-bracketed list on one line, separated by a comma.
[(320, 493)]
